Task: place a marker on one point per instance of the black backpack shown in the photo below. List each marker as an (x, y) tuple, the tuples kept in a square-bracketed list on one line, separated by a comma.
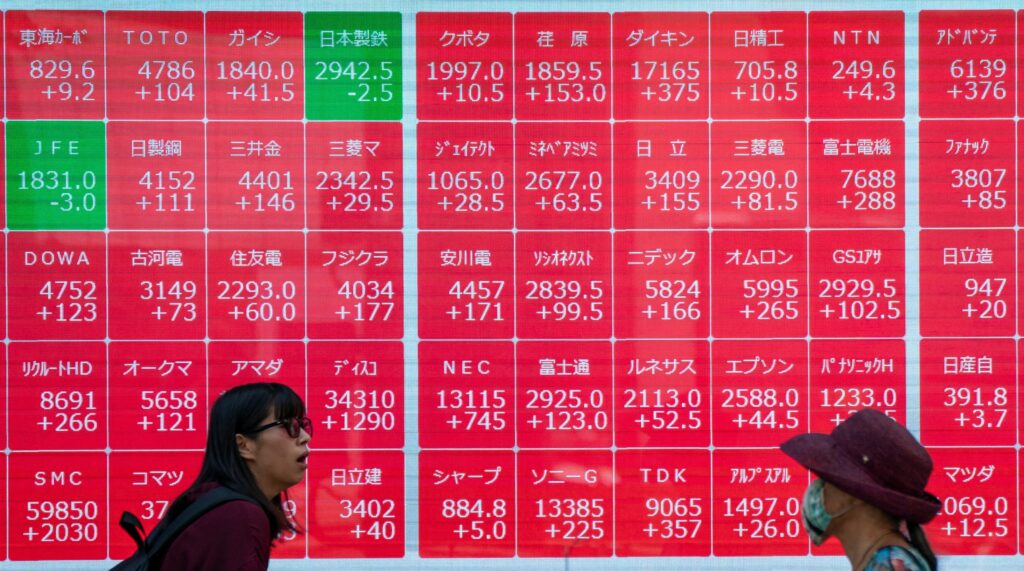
[(164, 532)]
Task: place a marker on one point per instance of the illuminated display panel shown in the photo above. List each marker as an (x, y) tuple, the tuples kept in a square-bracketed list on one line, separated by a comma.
[(552, 284)]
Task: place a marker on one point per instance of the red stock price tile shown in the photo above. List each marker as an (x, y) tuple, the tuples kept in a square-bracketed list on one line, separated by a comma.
[(256, 282), (563, 175), (233, 363), (256, 175), (157, 282), (563, 285), (57, 507), (563, 67), (565, 503), (857, 177), (661, 175), (292, 544), (979, 501), (662, 394), (760, 284), (158, 395), (463, 65), (156, 175), (661, 284), (356, 394), (661, 60), (356, 504), (758, 60), (756, 509), (355, 285), (564, 394), (758, 175), (467, 504), (55, 64), (60, 284), (850, 375), (56, 396), (146, 483), (662, 503), (759, 392), (354, 175), (967, 66), (254, 65), (968, 392), (855, 65), (967, 283), (155, 64), (968, 169), (466, 395), (857, 283), (465, 176), (465, 285)]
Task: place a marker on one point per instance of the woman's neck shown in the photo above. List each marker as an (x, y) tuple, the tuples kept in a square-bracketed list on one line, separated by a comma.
[(865, 533)]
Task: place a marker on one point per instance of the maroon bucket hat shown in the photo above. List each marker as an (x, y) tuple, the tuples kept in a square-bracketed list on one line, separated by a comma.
[(872, 457)]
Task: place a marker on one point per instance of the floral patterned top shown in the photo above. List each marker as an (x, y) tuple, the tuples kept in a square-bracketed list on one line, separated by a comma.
[(897, 558)]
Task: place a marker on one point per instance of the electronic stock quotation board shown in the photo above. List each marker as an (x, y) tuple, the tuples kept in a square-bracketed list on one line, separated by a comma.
[(553, 285)]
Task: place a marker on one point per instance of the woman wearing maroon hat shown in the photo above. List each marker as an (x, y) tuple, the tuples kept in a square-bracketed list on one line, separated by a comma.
[(872, 477)]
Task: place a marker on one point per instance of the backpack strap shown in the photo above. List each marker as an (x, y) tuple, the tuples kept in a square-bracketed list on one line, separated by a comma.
[(133, 527), (162, 534)]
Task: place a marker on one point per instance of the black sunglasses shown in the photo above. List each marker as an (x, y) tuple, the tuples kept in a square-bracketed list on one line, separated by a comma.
[(294, 426)]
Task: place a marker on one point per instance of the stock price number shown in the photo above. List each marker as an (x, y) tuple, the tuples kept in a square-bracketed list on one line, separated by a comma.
[(473, 516), (852, 298), (474, 82), (765, 518), (64, 80), (565, 82), (68, 301), (481, 300), (474, 409), (665, 409), (360, 410), (567, 409), (977, 408), (576, 518), (469, 190), (976, 516), (68, 411), (366, 300), (771, 299), (766, 81), (978, 79), (771, 408), (667, 81), (567, 300), (673, 518), (169, 410), (174, 299), (866, 81), (263, 300)]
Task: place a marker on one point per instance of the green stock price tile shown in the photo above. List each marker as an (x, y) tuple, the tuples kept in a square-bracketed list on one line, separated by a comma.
[(56, 175), (354, 66)]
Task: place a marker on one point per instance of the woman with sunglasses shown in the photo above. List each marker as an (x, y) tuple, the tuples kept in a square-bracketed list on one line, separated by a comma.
[(257, 446)]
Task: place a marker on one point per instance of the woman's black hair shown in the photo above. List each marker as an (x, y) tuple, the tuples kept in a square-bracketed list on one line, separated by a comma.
[(240, 410)]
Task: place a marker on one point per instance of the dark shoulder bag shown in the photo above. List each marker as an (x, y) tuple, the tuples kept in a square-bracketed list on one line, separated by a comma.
[(164, 532)]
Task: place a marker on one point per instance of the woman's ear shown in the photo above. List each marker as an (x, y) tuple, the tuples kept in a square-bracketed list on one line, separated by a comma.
[(245, 447)]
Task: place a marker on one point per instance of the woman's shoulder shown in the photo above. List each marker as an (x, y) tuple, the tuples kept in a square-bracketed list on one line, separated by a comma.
[(233, 535), (237, 513), (897, 558)]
